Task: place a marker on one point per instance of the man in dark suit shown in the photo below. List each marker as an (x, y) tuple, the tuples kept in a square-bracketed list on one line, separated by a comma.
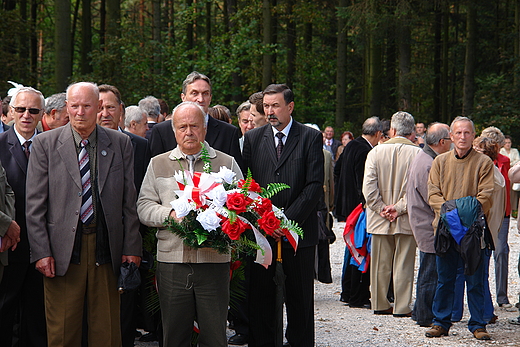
[(82, 221), (151, 106), (21, 289), (9, 229), (3, 127), (329, 142), (220, 135), (349, 171), (109, 117), (288, 152)]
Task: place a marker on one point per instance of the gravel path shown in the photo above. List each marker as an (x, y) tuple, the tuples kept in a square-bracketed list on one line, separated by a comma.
[(339, 325)]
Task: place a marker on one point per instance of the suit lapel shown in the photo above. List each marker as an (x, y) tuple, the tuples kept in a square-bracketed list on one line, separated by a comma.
[(105, 154), (269, 144), (67, 151), (16, 150), (211, 131), (290, 144)]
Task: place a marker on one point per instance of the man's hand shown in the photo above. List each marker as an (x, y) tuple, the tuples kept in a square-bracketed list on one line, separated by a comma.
[(277, 234), (131, 259), (11, 237), (46, 267), (389, 213), (174, 216)]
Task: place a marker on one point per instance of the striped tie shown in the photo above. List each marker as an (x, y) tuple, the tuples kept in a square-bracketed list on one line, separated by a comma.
[(87, 209)]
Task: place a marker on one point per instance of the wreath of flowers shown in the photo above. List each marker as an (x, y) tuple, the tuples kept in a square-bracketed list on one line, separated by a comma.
[(228, 215)]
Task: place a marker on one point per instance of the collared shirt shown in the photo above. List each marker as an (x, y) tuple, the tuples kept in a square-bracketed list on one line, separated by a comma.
[(92, 156), (22, 139), (371, 146), (285, 131)]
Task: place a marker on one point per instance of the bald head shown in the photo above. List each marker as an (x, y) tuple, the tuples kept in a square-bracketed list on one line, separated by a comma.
[(438, 137), (189, 126)]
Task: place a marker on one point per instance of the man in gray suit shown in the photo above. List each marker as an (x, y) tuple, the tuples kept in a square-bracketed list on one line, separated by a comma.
[(82, 221), (9, 229)]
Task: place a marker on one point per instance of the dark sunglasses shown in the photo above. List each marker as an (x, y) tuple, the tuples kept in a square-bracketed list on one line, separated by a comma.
[(19, 109)]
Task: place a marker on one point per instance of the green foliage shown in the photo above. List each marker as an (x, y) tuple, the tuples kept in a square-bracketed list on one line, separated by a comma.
[(273, 189)]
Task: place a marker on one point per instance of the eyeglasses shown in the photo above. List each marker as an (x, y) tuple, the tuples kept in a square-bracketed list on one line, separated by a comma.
[(19, 109), (446, 138)]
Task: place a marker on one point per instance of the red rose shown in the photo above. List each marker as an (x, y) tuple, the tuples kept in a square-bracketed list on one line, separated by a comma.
[(263, 205), (234, 230), (253, 186), (237, 202), (269, 223)]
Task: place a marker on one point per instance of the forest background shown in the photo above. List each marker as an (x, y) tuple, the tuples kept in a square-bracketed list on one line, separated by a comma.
[(346, 60)]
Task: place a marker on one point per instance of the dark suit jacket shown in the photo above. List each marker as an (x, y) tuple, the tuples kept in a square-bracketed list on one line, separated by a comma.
[(335, 146), (14, 162), (220, 135), (300, 166), (6, 211), (6, 127), (141, 158), (349, 171), (54, 195)]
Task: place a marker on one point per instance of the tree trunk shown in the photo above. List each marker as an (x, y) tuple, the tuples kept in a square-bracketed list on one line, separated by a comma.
[(445, 63), (189, 34), (113, 33), (341, 68), (375, 69), (63, 44), (469, 67), (291, 44), (517, 42), (86, 38), (156, 33), (267, 66), (405, 55), (437, 64)]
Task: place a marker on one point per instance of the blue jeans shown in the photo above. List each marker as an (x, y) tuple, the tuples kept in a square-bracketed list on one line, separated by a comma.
[(445, 293), (501, 255), (426, 285)]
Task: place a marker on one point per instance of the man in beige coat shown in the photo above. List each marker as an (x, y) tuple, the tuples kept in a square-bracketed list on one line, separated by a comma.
[(393, 245)]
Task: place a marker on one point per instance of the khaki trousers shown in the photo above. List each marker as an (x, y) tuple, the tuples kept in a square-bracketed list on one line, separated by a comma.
[(65, 298), (392, 255)]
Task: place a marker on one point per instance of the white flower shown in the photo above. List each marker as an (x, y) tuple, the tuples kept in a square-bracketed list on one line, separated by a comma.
[(209, 220), (181, 206), (225, 174), (218, 195)]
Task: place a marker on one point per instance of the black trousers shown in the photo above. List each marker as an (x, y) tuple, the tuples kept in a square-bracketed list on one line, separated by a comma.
[(299, 299), (22, 305)]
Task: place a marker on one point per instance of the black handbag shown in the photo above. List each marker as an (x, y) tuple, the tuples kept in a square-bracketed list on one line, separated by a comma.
[(129, 278)]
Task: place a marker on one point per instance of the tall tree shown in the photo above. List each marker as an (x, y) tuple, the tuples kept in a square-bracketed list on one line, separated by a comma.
[(341, 65), (470, 61), (63, 44), (267, 66), (291, 43), (405, 55), (86, 37)]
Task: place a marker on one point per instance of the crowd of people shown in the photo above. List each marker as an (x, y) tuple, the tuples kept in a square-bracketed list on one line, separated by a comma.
[(443, 190), (84, 179)]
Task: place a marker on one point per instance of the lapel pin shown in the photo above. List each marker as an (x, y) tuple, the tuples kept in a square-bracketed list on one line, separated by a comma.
[(104, 153)]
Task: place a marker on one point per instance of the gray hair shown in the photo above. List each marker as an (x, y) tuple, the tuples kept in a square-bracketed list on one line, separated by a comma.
[(403, 123), (27, 90), (151, 106), (495, 134), (245, 106), (192, 77), (462, 119), (55, 102), (91, 85), (133, 113), (371, 126), (436, 133), (185, 104)]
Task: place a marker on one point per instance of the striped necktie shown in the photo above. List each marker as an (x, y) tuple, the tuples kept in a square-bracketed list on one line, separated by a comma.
[(279, 147), (87, 208)]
